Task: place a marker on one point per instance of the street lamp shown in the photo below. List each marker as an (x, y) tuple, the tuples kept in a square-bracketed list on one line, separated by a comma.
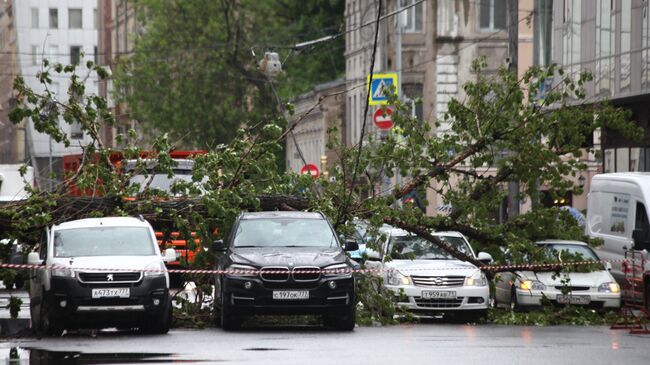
[(581, 181)]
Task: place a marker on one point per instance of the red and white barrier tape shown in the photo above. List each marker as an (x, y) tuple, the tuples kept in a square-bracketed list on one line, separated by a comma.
[(524, 267)]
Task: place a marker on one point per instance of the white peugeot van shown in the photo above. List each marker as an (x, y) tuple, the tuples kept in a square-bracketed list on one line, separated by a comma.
[(100, 272), (617, 212)]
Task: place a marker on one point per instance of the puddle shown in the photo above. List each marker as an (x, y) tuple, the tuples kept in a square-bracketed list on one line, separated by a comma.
[(18, 355), (264, 349)]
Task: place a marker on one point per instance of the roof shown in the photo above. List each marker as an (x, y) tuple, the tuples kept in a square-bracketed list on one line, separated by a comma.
[(282, 214), (561, 242), (103, 222)]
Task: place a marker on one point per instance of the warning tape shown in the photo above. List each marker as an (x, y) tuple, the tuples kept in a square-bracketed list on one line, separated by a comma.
[(276, 271)]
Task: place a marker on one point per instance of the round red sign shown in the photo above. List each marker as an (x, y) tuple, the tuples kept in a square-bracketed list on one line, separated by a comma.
[(383, 119), (310, 169)]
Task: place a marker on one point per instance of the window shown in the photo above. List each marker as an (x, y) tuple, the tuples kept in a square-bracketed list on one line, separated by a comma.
[(447, 18), (413, 16), (75, 131), (543, 32), (75, 54), (626, 44), (641, 222), (74, 19), (54, 53), (34, 17), (96, 56), (571, 36), (54, 18), (34, 55), (492, 14)]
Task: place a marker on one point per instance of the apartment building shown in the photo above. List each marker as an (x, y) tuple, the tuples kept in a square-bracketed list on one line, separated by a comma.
[(12, 137)]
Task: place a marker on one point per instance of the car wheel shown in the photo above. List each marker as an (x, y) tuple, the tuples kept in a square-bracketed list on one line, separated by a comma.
[(514, 303), (230, 321), (160, 323), (647, 293), (49, 323), (342, 322)]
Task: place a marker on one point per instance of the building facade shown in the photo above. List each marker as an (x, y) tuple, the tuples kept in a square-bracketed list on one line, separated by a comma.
[(60, 31), (611, 39), (12, 137), (315, 113)]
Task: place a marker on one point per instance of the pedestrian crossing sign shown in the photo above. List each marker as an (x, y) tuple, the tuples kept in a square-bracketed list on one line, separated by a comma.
[(379, 85)]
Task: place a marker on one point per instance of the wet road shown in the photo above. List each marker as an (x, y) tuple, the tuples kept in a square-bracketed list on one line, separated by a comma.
[(403, 344)]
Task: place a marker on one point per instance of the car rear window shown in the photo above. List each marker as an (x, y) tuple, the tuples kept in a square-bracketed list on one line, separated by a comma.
[(284, 232), (103, 241)]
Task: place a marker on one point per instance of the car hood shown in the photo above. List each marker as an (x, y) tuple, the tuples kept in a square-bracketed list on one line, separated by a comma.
[(432, 267), (591, 279), (107, 262), (288, 256)]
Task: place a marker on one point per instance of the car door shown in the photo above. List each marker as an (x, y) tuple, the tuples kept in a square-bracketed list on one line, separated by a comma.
[(37, 277)]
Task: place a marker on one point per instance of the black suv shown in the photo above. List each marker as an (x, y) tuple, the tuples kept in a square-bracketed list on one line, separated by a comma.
[(285, 263)]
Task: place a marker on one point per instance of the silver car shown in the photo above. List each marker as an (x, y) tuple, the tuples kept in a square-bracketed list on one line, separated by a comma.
[(525, 289)]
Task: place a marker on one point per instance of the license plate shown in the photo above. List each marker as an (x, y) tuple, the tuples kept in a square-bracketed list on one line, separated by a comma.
[(291, 294), (438, 294), (111, 293), (573, 299)]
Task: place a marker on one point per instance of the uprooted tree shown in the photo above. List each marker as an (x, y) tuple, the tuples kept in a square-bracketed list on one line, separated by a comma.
[(466, 165)]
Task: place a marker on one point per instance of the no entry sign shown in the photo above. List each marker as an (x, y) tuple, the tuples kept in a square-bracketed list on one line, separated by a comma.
[(383, 118), (310, 169)]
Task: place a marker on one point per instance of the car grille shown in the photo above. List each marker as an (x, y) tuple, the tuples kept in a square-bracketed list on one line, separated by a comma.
[(573, 288), (275, 273), (438, 281), (438, 303), (312, 275), (109, 277)]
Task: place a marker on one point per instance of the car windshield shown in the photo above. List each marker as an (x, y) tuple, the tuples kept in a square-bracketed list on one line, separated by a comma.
[(567, 251), (103, 241), (161, 181), (416, 248), (283, 232)]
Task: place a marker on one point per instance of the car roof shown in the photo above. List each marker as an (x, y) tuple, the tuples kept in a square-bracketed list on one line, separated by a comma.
[(561, 242), (398, 232), (103, 222), (282, 214)]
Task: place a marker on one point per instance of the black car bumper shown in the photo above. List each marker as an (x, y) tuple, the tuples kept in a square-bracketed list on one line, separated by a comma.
[(323, 297), (73, 301)]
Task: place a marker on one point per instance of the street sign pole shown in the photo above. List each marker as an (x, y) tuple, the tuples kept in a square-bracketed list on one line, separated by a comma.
[(398, 65)]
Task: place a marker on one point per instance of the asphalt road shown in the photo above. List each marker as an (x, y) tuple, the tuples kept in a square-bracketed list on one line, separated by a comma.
[(403, 344)]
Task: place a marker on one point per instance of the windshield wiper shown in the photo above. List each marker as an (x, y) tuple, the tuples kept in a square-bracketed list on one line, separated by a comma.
[(246, 246)]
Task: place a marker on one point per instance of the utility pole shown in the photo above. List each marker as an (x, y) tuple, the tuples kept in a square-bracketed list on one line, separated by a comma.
[(513, 50), (398, 66)]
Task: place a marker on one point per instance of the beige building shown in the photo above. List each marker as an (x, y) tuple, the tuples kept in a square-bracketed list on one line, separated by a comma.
[(117, 31), (12, 137), (314, 118)]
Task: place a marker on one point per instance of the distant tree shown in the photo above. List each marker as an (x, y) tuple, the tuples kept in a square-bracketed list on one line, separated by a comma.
[(193, 74)]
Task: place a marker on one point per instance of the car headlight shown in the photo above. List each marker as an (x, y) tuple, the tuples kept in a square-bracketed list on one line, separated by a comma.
[(242, 270), (157, 269), (609, 288), (337, 270), (397, 278), (63, 272), (532, 285), (476, 280)]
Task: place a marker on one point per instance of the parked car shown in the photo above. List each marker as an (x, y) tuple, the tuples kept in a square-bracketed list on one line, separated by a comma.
[(525, 289), (92, 296), (427, 280), (275, 260)]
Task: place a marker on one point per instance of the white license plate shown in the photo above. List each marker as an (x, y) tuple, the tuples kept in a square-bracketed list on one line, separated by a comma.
[(290, 294), (573, 299), (111, 293), (438, 294)]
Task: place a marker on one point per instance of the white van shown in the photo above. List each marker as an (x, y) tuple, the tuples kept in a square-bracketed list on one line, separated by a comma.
[(617, 212)]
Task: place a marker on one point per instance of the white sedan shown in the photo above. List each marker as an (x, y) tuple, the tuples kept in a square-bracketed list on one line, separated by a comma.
[(427, 280), (526, 289)]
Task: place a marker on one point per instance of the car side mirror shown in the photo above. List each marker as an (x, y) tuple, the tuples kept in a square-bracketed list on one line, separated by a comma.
[(34, 259), (608, 266), (372, 255), (485, 258), (351, 245), (170, 255), (218, 246)]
